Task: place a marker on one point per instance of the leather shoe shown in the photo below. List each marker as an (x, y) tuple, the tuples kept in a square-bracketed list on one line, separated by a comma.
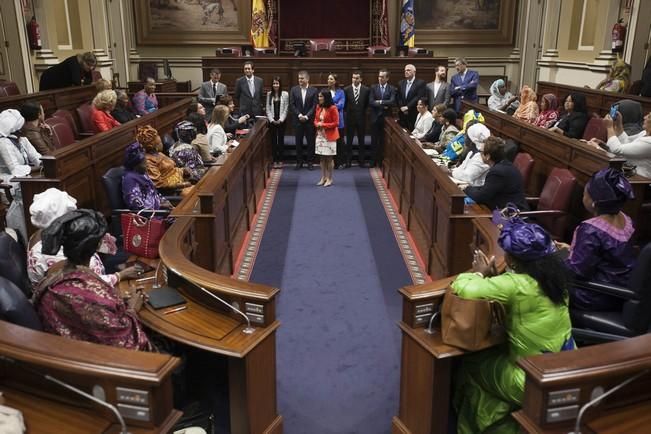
[(310, 166)]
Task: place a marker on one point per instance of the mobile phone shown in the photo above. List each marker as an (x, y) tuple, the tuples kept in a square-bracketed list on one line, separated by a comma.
[(146, 268), (613, 111)]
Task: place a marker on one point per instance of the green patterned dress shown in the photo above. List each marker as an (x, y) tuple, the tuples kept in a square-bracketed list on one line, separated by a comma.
[(489, 385)]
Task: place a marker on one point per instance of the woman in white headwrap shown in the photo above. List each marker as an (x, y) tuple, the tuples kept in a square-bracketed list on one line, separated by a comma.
[(473, 169), (47, 207), (501, 99), (17, 158)]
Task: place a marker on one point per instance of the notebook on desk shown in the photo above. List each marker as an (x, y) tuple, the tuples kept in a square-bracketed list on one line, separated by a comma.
[(165, 297)]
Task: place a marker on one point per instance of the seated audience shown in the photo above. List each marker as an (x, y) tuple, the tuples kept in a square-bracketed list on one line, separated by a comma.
[(636, 149), (632, 116), (501, 99), (123, 111), (217, 140), (424, 120), (200, 142), (432, 136), (184, 154), (548, 111), (161, 169), (145, 101), (72, 300), (76, 70), (234, 122), (47, 207), (35, 129), (449, 128), (455, 146), (503, 184), (528, 109), (473, 169), (572, 123), (602, 246), (103, 84), (138, 190), (489, 385), (103, 104), (17, 158), (618, 78), (195, 107)]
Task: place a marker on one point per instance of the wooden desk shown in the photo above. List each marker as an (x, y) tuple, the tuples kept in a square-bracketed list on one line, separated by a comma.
[(168, 86), (605, 365), (198, 251), (431, 204), (598, 101), (78, 168), (47, 407), (426, 362), (52, 100), (287, 68)]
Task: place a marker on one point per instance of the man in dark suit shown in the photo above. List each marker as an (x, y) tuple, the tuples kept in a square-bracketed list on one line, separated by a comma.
[(248, 92), (438, 91), (410, 90), (381, 98), (463, 85), (302, 102), (355, 118), (210, 91)]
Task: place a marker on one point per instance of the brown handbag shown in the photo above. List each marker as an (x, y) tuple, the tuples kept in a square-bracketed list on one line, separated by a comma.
[(472, 325)]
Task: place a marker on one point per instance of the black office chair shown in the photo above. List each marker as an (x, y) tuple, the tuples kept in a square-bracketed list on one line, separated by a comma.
[(13, 263), (15, 307), (632, 319)]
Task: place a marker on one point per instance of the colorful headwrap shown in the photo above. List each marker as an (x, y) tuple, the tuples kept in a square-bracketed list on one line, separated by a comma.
[(185, 131), (527, 94), (50, 205), (148, 138), (495, 88), (609, 189), (552, 101), (78, 232), (525, 241), (133, 155), (10, 121)]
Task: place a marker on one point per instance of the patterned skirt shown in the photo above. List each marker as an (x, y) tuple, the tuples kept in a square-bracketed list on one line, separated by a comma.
[(323, 146)]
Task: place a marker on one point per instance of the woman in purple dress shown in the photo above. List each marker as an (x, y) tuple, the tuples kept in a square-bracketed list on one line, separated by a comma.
[(184, 154), (601, 248), (138, 190)]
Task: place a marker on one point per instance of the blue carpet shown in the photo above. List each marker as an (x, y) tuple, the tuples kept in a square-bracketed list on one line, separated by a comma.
[(334, 256)]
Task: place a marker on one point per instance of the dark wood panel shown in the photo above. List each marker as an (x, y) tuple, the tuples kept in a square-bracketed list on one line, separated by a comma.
[(52, 100)]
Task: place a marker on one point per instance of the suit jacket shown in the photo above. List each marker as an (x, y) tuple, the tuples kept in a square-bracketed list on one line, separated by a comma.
[(207, 96), (284, 106), (249, 104), (352, 110), (330, 122), (467, 88), (381, 103), (441, 97), (503, 184), (296, 103), (416, 91)]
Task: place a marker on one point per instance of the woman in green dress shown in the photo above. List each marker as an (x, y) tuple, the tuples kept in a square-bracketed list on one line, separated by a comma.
[(489, 385)]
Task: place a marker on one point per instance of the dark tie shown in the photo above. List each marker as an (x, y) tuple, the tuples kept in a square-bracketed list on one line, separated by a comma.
[(214, 90), (382, 90), (356, 95)]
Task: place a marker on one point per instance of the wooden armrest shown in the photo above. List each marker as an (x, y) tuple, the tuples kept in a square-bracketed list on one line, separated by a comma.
[(605, 288)]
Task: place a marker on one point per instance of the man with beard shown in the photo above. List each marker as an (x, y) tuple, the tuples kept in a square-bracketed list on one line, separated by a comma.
[(438, 91)]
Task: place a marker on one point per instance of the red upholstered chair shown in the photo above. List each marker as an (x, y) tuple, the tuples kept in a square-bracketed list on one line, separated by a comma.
[(70, 118), (8, 88), (556, 196), (524, 163), (378, 50), (322, 46), (595, 128), (84, 112), (63, 135)]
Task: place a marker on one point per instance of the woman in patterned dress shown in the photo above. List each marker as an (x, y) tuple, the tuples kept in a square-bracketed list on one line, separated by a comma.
[(326, 122)]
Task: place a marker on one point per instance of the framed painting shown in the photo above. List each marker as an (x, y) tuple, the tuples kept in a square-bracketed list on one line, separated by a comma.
[(465, 22), (190, 22)]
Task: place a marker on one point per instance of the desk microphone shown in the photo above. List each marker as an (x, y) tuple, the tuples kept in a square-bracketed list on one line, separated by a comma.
[(248, 330), (597, 400), (123, 425)]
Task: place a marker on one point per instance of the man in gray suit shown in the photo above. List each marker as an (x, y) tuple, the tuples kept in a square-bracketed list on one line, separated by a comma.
[(211, 90), (248, 92), (438, 91)]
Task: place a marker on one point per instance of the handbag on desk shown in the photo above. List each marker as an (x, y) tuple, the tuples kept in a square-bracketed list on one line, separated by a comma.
[(142, 234), (472, 325)]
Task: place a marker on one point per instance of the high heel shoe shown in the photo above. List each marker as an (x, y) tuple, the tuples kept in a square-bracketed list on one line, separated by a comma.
[(328, 183), (321, 182)]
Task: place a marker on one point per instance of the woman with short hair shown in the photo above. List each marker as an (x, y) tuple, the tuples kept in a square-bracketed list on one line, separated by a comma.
[(217, 139), (103, 104)]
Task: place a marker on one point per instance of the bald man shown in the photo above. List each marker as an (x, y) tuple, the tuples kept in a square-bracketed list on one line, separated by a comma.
[(410, 90)]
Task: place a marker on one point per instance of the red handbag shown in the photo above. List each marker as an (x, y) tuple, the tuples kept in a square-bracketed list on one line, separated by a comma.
[(141, 234)]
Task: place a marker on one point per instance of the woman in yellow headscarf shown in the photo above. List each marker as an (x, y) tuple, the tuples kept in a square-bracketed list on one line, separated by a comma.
[(618, 78), (528, 109)]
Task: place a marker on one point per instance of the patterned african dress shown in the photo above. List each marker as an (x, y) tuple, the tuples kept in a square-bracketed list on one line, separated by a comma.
[(185, 155), (489, 385), (77, 304), (139, 192), (162, 170)]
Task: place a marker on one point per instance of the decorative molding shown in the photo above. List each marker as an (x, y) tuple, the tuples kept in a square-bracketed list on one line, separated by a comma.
[(564, 64)]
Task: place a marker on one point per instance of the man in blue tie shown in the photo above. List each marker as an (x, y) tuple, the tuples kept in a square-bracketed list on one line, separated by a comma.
[(381, 98)]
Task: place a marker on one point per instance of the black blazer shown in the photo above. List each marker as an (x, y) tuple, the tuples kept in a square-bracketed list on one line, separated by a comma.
[(573, 125), (418, 90), (503, 185), (296, 103), (65, 74), (356, 110), (386, 101)]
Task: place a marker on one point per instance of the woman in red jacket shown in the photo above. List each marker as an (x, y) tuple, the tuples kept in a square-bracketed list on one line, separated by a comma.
[(326, 122), (103, 105)]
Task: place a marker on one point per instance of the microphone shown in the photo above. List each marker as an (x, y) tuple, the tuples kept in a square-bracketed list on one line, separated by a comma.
[(123, 425), (248, 329), (577, 425)]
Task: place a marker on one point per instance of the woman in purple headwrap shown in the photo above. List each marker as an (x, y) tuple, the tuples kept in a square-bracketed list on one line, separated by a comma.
[(601, 248), (138, 190), (490, 385)]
